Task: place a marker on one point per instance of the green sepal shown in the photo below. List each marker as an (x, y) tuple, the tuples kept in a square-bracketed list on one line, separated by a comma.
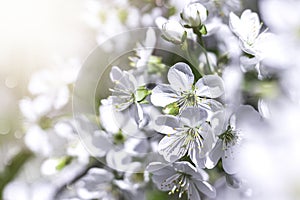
[(119, 138), (187, 26), (203, 30), (184, 36), (171, 109), (144, 102), (62, 162), (141, 93), (167, 39), (181, 16)]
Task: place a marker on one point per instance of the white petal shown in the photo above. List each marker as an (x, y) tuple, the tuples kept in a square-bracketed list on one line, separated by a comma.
[(193, 116), (211, 105), (248, 63), (264, 45), (61, 98), (118, 159), (121, 104), (199, 162), (173, 31), (37, 140), (138, 114), (264, 108), (180, 77), (208, 139), (163, 95), (231, 158), (100, 174), (123, 79), (111, 120), (159, 168), (166, 124), (102, 142), (185, 167), (250, 20), (42, 104), (17, 190), (235, 24), (199, 154), (201, 175), (159, 21), (150, 38), (27, 109), (229, 162), (245, 117), (116, 73), (214, 155), (211, 86), (160, 173), (172, 147), (136, 146), (206, 188), (193, 193), (219, 121)]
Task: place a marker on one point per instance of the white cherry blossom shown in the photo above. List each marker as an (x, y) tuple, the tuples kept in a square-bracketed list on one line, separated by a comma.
[(181, 177), (194, 14), (174, 32), (188, 134), (184, 92), (96, 184), (126, 94), (247, 28), (231, 131)]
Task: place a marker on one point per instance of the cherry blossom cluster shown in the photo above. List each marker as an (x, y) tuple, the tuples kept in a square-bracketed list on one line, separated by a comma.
[(217, 124)]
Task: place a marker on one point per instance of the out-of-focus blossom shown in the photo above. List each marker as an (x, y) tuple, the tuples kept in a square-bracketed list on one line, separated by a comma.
[(230, 136), (226, 192), (19, 190), (270, 144), (181, 177), (221, 8), (121, 160), (52, 84), (96, 184)]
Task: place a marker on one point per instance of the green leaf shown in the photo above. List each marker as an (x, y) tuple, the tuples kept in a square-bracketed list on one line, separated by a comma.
[(11, 170), (156, 195), (171, 109)]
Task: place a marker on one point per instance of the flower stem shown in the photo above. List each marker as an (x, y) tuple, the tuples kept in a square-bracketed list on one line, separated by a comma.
[(201, 42), (186, 47)]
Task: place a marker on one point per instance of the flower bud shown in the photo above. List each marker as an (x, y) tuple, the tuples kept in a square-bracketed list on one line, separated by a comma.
[(194, 14), (174, 32)]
